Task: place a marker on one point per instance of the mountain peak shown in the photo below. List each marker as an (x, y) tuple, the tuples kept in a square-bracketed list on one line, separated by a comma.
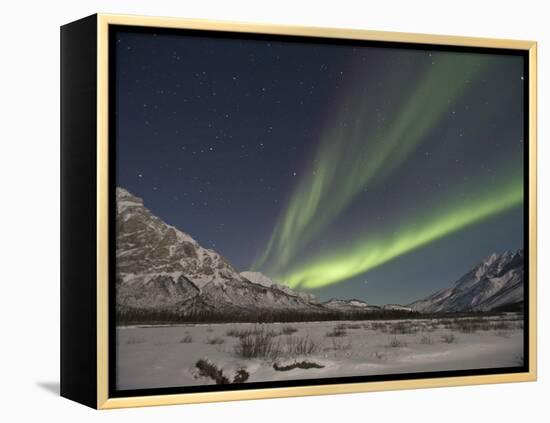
[(495, 282), (490, 259), (125, 199)]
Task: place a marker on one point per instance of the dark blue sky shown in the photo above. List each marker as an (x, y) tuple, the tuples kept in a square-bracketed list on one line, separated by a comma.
[(214, 133)]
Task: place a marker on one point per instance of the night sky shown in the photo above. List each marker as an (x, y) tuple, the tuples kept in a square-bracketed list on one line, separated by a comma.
[(351, 171)]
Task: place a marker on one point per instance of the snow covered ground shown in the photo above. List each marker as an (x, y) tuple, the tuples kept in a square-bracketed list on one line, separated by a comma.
[(167, 356)]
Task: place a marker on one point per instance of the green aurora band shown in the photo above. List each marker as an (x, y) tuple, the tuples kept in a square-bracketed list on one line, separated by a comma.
[(351, 157), (369, 252)]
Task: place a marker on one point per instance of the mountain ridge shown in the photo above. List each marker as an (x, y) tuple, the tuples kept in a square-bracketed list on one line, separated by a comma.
[(495, 282)]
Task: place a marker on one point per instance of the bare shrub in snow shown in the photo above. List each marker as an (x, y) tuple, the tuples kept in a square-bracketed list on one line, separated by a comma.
[(501, 326), (288, 330), (353, 326), (396, 343), (402, 328), (336, 332), (258, 344), (239, 333), (215, 340), (379, 355), (449, 338), (341, 345), (448, 323), (426, 340), (302, 345), (187, 339), (378, 326)]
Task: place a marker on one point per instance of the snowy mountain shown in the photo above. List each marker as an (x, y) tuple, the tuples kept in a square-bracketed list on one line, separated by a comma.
[(348, 306), (494, 283), (263, 280), (161, 268)]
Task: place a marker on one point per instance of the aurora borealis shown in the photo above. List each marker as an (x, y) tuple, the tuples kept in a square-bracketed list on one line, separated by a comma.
[(352, 156), (349, 170), (368, 252)]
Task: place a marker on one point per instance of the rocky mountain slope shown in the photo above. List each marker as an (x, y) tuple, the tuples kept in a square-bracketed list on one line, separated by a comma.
[(160, 268), (263, 280), (496, 282)]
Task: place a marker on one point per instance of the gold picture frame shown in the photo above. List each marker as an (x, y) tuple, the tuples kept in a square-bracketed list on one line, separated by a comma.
[(99, 28)]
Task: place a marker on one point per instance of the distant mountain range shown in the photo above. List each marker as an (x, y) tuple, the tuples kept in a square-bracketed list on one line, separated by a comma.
[(164, 274)]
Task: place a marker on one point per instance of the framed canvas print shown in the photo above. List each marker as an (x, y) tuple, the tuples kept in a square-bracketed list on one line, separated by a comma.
[(254, 211)]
